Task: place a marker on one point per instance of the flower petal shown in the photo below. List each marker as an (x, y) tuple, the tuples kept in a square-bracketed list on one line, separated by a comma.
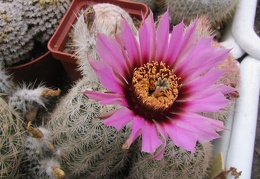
[(187, 44), (107, 77), (204, 127), (137, 125), (150, 138), (162, 36), (107, 98), (120, 118), (175, 43), (131, 46), (181, 137), (110, 51), (147, 40), (159, 154), (200, 60), (204, 81), (211, 103)]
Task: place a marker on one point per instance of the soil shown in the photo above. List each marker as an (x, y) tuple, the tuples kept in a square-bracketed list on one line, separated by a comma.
[(256, 159)]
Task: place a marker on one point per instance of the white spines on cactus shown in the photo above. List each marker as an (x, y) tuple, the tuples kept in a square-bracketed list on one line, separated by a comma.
[(25, 25), (86, 147), (43, 16), (102, 18), (218, 11), (16, 40), (177, 163), (12, 136), (38, 161), (6, 83), (26, 100)]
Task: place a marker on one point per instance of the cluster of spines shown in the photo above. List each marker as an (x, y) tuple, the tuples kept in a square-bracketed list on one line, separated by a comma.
[(86, 147), (11, 140)]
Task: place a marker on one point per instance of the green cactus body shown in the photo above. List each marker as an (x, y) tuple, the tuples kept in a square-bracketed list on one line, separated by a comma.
[(177, 163), (12, 137), (86, 147)]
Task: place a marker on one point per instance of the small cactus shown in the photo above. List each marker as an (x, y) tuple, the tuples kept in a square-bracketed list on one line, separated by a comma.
[(16, 41), (6, 83), (85, 146), (100, 18), (27, 100), (218, 11), (176, 164), (11, 141), (37, 161), (25, 24)]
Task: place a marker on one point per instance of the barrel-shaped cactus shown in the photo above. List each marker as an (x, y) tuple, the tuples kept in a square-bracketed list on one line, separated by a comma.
[(177, 163), (85, 146), (26, 25)]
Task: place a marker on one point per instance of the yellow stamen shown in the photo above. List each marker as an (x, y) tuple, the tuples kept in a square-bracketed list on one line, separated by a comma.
[(155, 86), (36, 133), (58, 173), (50, 92)]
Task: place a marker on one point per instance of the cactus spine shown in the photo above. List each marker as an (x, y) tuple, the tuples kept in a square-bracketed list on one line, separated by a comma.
[(12, 137), (100, 18), (176, 164), (85, 147)]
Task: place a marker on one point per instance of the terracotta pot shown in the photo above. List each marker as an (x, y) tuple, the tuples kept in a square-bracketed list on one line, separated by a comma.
[(44, 69), (60, 37)]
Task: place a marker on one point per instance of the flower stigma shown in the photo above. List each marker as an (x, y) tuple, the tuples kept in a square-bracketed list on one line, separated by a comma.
[(155, 86)]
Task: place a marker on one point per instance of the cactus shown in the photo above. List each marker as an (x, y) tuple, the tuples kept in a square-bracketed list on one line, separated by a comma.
[(37, 161), (11, 141), (86, 148), (16, 41), (100, 18), (30, 24), (27, 100), (6, 83), (43, 16), (218, 11), (176, 164)]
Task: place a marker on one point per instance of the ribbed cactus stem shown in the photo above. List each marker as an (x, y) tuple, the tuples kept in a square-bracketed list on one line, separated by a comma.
[(85, 146), (31, 24), (177, 163)]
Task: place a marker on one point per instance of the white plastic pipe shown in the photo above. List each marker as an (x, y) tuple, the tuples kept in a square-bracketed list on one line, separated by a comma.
[(243, 28), (240, 152), (229, 42)]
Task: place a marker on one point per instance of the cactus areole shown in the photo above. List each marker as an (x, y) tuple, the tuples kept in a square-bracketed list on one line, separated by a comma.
[(161, 84)]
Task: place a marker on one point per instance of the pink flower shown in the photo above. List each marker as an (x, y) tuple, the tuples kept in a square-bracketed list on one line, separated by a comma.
[(161, 84)]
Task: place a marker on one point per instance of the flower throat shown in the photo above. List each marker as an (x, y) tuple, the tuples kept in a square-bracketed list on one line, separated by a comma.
[(155, 87)]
